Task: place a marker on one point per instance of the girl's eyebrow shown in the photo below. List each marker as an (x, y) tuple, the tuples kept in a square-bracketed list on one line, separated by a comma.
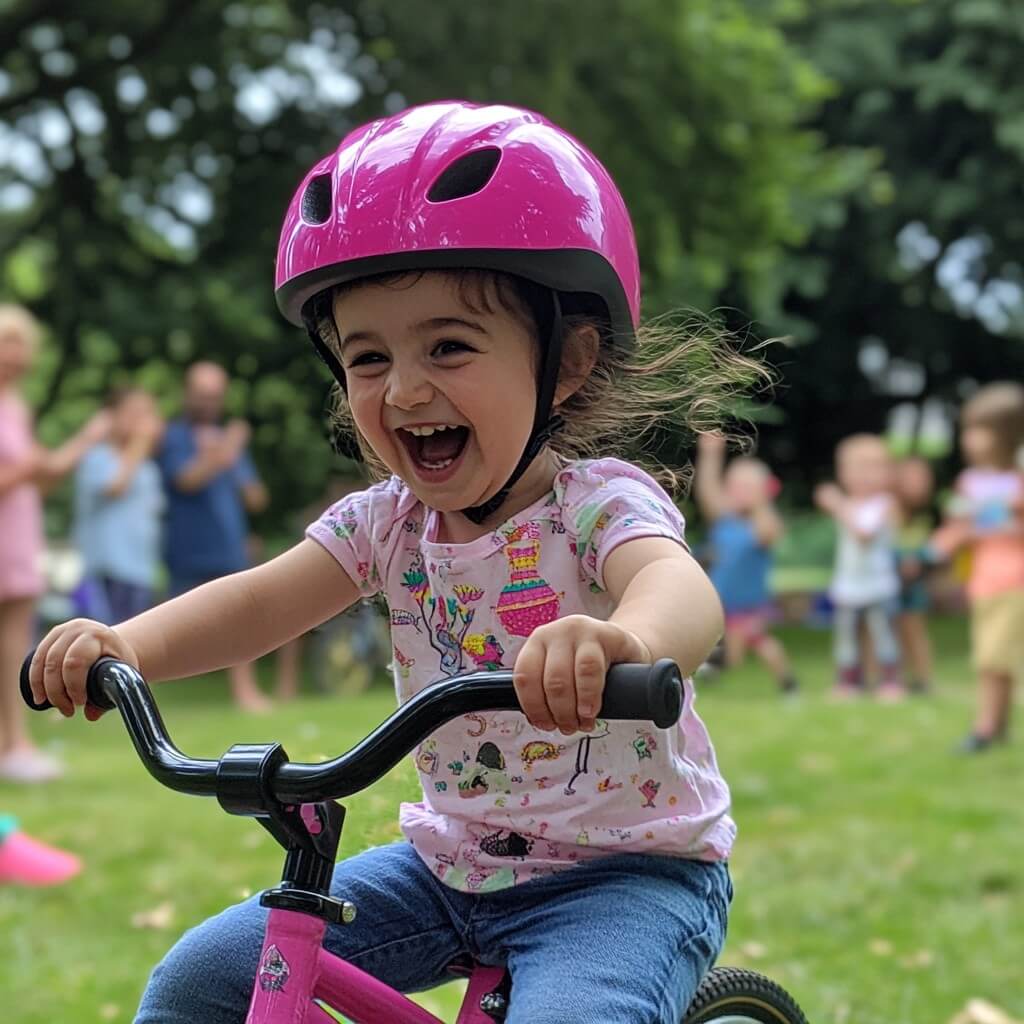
[(449, 321), (428, 325), (356, 336), (424, 325)]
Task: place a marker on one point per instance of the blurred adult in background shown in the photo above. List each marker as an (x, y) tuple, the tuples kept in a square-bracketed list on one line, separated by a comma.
[(119, 500), (211, 485), (987, 517), (865, 583), (26, 469), (743, 525)]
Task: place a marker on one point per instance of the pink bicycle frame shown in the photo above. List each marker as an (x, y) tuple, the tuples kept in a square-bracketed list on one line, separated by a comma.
[(295, 971)]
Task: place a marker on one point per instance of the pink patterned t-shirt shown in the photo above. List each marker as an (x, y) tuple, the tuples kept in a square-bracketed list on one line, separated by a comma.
[(502, 801)]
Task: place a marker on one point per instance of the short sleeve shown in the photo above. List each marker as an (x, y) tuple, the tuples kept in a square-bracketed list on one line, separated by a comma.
[(608, 502), (361, 530)]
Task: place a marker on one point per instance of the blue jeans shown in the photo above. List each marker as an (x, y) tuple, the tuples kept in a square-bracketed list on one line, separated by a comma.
[(624, 938)]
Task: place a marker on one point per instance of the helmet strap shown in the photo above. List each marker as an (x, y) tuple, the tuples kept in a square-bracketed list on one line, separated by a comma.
[(544, 424)]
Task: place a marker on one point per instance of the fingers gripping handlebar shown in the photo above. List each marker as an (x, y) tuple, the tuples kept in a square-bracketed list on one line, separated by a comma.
[(636, 692)]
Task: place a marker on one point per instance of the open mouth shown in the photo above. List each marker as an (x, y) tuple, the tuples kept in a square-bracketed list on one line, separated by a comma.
[(434, 449)]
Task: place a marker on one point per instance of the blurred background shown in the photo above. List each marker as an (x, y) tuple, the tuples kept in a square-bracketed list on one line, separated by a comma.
[(843, 176)]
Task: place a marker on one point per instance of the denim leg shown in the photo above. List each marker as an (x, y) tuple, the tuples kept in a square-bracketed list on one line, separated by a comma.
[(845, 641), (880, 627), (624, 938), (406, 932)]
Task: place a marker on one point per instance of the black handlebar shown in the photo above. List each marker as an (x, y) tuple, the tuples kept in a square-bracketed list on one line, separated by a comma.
[(637, 692)]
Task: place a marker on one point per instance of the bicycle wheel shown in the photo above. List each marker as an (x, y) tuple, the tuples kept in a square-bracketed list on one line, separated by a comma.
[(729, 995)]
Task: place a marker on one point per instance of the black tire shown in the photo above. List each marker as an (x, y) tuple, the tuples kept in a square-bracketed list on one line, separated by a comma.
[(731, 995)]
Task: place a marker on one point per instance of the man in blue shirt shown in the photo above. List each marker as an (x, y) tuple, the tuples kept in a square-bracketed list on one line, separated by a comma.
[(211, 485)]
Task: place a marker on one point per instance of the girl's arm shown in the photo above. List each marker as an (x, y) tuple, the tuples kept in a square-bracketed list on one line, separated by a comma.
[(862, 523), (130, 458), (666, 607), (222, 623), (13, 474), (56, 463), (708, 475), (767, 525), (664, 598)]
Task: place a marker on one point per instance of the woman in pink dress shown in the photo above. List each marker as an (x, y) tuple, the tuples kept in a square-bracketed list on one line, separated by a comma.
[(25, 470)]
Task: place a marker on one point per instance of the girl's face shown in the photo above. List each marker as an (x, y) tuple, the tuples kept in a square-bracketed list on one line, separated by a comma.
[(136, 411), (16, 353), (444, 395), (979, 445), (864, 469), (914, 483), (747, 485)]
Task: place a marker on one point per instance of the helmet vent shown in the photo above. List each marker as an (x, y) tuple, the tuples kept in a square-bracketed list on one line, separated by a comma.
[(465, 176), (316, 200)]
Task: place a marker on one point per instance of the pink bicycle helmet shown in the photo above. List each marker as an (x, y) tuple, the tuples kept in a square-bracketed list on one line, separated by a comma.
[(456, 185)]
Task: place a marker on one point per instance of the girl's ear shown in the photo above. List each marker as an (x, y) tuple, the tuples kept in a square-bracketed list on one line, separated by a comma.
[(579, 355)]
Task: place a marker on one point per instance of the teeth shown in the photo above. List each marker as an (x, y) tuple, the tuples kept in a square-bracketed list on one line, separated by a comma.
[(427, 431)]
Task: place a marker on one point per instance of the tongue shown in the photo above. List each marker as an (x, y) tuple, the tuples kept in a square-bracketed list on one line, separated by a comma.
[(445, 444)]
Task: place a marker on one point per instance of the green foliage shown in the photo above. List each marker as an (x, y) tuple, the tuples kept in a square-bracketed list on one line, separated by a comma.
[(927, 102), (156, 191)]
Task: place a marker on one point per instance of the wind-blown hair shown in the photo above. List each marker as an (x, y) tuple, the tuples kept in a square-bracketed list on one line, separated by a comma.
[(683, 376)]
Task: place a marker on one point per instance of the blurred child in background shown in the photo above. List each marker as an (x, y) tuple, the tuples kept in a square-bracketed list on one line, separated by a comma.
[(865, 582), (987, 516), (914, 489), (736, 500), (26, 468), (118, 503)]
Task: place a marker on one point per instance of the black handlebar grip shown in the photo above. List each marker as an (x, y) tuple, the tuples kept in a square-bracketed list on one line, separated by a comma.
[(26, 690), (93, 691), (652, 693)]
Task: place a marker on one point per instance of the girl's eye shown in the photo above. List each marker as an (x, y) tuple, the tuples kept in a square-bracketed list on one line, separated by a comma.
[(450, 347), (366, 359)]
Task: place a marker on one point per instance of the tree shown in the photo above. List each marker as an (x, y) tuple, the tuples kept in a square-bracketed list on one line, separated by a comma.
[(914, 275), (151, 148)]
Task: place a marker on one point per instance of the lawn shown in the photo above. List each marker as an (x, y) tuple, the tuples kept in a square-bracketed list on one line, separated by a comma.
[(878, 876)]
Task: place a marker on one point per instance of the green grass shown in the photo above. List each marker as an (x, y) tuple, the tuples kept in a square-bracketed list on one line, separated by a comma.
[(878, 877)]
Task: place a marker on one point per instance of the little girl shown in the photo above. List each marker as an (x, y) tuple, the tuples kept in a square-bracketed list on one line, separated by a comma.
[(26, 470), (736, 500), (469, 274), (987, 516), (865, 584)]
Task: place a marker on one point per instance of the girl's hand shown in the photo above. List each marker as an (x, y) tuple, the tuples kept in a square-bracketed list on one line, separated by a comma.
[(559, 674), (97, 427), (828, 497), (62, 662), (711, 444)]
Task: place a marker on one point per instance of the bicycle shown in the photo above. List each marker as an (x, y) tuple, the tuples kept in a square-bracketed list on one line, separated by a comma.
[(297, 979)]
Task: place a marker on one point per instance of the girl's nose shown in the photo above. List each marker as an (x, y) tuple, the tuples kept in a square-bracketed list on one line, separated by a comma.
[(407, 388)]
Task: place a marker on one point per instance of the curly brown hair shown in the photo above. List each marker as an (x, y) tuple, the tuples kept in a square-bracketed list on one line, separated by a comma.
[(683, 376)]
